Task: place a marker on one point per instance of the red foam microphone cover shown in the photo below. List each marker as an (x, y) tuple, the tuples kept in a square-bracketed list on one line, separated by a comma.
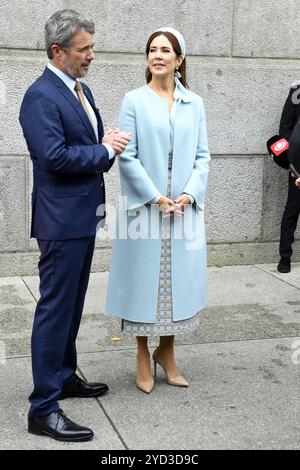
[(278, 150), (279, 147)]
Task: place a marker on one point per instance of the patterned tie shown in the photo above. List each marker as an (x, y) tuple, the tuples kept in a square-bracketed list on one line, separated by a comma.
[(81, 97)]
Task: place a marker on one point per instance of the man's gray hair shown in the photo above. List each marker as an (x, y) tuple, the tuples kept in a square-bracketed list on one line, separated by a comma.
[(61, 27)]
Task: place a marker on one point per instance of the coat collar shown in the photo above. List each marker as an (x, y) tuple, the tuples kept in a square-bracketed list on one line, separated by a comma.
[(53, 78), (181, 92), (68, 81)]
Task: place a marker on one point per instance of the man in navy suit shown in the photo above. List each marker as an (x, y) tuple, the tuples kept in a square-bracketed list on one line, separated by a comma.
[(69, 152)]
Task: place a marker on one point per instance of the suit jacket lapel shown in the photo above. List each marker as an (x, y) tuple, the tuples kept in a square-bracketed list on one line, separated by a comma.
[(79, 109), (72, 100)]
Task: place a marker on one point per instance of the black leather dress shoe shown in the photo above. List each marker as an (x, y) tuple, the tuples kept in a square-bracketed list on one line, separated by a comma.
[(59, 427), (79, 388), (284, 265)]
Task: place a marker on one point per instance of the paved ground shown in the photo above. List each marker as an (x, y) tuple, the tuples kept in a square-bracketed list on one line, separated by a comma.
[(243, 363)]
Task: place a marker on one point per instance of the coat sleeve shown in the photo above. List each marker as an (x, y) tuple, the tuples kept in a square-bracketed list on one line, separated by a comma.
[(288, 117), (137, 186), (197, 183), (294, 148), (43, 130)]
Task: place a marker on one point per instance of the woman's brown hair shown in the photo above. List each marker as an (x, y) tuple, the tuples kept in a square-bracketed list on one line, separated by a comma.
[(177, 49)]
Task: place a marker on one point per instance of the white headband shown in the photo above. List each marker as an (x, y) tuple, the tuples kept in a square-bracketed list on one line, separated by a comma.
[(177, 35)]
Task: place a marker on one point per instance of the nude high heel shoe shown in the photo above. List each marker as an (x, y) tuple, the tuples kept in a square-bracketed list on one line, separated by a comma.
[(178, 381), (144, 385)]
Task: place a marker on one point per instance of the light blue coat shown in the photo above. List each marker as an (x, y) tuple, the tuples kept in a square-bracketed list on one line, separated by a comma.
[(135, 265)]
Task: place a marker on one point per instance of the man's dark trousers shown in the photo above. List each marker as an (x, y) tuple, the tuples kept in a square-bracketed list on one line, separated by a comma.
[(289, 219), (64, 269)]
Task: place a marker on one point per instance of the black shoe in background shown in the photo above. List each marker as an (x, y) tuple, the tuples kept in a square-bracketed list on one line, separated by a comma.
[(80, 388), (284, 265)]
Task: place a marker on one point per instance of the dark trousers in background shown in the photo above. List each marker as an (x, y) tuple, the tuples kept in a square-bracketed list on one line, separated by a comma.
[(64, 269), (289, 219)]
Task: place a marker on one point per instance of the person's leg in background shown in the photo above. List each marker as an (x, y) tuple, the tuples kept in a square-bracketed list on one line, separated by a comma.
[(288, 226)]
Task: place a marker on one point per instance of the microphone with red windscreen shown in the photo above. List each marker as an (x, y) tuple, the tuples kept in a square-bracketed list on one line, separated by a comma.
[(278, 149)]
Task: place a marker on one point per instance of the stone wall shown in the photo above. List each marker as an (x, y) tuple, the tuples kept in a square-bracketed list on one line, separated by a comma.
[(243, 57)]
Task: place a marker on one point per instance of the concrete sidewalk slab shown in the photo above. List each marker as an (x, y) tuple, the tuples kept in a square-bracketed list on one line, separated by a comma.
[(244, 395), (244, 303), (270, 309), (292, 278), (234, 285), (227, 285), (245, 322), (245, 385), (16, 385)]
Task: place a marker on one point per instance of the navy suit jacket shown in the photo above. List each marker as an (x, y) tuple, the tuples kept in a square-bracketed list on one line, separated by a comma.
[(68, 188)]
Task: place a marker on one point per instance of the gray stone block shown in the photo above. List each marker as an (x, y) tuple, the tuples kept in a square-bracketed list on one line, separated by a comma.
[(125, 26), (234, 200), (243, 102), (16, 75), (241, 253), (18, 263), (223, 254), (12, 204), (225, 116), (275, 195), (233, 209), (17, 307), (23, 22), (266, 29), (25, 263), (233, 203)]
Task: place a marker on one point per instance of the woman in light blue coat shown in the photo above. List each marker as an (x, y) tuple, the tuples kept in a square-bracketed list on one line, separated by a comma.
[(157, 282)]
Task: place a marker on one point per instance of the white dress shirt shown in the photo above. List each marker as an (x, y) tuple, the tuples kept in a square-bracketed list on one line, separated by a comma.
[(70, 83)]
